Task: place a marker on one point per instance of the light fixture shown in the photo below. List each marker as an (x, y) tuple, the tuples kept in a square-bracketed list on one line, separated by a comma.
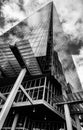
[(13, 112), (45, 117), (34, 109)]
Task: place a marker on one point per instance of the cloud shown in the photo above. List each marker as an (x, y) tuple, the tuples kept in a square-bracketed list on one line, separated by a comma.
[(69, 13), (65, 48), (12, 11), (74, 47)]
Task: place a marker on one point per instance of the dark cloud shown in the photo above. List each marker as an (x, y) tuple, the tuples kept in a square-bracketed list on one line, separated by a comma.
[(74, 47), (79, 21), (2, 19), (20, 4), (63, 21)]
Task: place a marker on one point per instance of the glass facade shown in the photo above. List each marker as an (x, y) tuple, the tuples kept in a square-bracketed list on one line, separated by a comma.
[(30, 36)]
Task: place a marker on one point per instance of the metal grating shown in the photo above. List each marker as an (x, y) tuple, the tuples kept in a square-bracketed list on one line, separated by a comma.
[(28, 55), (70, 99)]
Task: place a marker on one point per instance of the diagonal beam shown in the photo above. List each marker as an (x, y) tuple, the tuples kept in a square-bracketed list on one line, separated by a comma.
[(2, 96), (6, 108), (27, 95), (19, 57)]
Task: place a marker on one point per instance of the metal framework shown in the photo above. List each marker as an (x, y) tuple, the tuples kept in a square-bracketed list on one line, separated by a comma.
[(10, 99), (71, 98)]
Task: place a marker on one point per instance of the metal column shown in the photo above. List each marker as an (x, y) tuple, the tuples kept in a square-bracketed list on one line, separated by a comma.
[(67, 114), (77, 122), (68, 117), (15, 122)]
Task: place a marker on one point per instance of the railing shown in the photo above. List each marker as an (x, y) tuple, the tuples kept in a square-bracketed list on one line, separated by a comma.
[(71, 98), (50, 98), (38, 89)]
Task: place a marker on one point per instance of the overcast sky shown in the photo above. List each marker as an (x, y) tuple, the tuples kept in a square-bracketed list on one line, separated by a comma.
[(71, 16), (70, 13)]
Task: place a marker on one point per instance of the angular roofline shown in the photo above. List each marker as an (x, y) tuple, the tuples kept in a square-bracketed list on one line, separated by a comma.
[(27, 17)]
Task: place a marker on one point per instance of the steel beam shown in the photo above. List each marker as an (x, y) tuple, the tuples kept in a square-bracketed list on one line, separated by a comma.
[(67, 113), (2, 96), (14, 122), (44, 87), (70, 102), (27, 95), (19, 57), (6, 108), (77, 122)]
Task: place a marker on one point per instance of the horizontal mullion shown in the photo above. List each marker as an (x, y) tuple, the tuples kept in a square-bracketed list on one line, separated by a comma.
[(28, 54), (34, 88), (33, 66), (26, 51), (24, 47), (34, 71)]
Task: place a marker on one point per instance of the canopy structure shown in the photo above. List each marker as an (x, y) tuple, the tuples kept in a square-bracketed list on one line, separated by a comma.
[(29, 38)]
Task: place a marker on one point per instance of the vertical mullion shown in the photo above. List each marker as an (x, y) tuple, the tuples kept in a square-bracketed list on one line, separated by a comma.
[(24, 122), (51, 94), (26, 85), (44, 87), (38, 89), (48, 91), (33, 89), (30, 83), (30, 87)]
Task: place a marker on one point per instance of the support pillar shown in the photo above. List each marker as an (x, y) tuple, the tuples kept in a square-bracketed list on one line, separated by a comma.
[(14, 122), (67, 114), (6, 107), (64, 127), (68, 117), (77, 122)]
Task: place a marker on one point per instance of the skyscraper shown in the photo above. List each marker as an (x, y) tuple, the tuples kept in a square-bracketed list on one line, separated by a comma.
[(31, 76)]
